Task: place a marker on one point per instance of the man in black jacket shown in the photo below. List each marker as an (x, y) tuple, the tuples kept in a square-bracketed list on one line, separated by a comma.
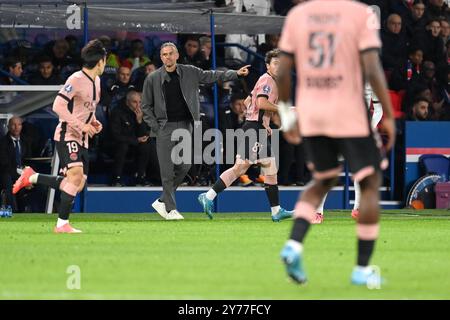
[(115, 95), (414, 22), (394, 43), (437, 9), (13, 150), (46, 75), (130, 133)]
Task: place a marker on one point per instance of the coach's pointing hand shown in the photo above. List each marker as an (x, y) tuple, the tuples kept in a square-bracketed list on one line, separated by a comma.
[(243, 72)]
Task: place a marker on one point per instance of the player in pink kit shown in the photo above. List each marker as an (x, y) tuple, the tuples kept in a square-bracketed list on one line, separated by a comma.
[(334, 44), (75, 106), (371, 99), (257, 118)]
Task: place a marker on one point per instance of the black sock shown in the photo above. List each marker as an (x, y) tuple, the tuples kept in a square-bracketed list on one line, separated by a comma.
[(65, 207), (272, 194), (219, 186), (365, 249), (49, 181), (299, 229)]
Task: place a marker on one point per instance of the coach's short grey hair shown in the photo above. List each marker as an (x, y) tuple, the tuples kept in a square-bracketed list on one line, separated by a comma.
[(169, 44)]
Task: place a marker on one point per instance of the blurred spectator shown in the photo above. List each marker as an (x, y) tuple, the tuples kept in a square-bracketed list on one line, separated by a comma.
[(190, 54), (237, 54), (233, 116), (137, 58), (112, 60), (141, 74), (74, 48), (46, 74), (445, 31), (437, 9), (419, 110), (59, 52), (440, 107), (13, 150), (400, 7), (407, 71), (271, 42), (394, 43), (205, 52), (14, 67), (428, 75), (414, 21), (130, 134), (433, 45), (22, 50), (414, 92), (117, 92)]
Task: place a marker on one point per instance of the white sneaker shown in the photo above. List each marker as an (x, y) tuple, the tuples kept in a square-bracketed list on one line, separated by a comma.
[(175, 215), (160, 207)]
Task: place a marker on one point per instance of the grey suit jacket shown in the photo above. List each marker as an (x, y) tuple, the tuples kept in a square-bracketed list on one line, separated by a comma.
[(153, 100)]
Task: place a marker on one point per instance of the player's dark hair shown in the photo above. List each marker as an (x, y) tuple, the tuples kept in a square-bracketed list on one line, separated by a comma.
[(275, 53), (92, 53)]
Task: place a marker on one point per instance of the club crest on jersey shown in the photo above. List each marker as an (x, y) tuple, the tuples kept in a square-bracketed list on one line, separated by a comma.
[(266, 89), (68, 88), (73, 156)]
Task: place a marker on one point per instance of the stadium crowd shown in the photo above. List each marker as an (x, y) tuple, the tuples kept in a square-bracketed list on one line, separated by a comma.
[(415, 56)]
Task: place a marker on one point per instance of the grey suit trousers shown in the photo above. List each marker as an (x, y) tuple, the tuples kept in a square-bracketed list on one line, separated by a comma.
[(172, 175)]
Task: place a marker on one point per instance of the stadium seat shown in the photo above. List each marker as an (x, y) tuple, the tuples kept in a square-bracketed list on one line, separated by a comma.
[(435, 163), (397, 99)]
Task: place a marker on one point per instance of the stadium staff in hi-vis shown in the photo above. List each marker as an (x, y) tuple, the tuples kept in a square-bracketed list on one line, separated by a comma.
[(170, 101)]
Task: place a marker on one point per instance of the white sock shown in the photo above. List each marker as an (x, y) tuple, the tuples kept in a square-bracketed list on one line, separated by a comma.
[(61, 222), (357, 196), (320, 208), (296, 245), (33, 178), (211, 194), (275, 209), (366, 269)]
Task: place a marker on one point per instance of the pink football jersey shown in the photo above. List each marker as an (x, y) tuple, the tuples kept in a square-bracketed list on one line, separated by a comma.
[(265, 87), (326, 38), (75, 105)]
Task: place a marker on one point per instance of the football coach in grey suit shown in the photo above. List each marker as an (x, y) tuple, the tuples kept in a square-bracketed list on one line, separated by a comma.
[(170, 101)]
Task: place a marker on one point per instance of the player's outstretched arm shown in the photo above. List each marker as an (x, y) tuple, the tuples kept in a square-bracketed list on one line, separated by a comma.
[(211, 76), (374, 74)]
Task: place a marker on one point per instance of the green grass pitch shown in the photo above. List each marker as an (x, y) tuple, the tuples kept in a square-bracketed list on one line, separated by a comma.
[(234, 256)]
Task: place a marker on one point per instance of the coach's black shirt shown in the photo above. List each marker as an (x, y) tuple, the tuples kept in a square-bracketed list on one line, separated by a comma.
[(177, 109)]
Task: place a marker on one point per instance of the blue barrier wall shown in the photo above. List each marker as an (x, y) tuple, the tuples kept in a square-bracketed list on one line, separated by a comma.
[(234, 199)]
